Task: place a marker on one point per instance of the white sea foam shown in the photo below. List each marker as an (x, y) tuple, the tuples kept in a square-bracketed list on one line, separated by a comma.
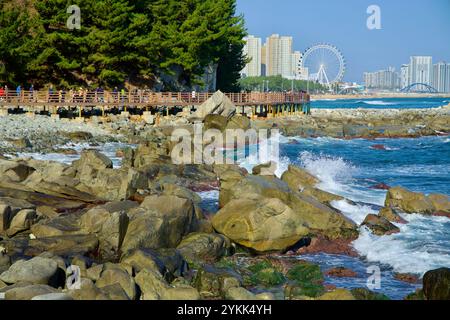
[(330, 170), (268, 153), (336, 176), (209, 195), (422, 244), (378, 103), (108, 149), (356, 212)]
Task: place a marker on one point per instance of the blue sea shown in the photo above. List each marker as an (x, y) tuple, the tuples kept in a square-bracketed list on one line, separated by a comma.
[(381, 103), (353, 168)]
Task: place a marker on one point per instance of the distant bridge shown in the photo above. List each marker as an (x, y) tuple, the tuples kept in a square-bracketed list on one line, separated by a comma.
[(424, 88)]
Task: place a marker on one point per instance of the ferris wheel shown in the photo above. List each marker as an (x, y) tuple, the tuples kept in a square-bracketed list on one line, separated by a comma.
[(325, 64)]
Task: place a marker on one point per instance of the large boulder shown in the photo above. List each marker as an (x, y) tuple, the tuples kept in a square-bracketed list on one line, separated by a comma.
[(63, 245), (238, 122), (120, 276), (37, 271), (109, 222), (9, 207), (408, 201), (380, 226), (261, 224), (87, 291), (391, 215), (96, 176), (308, 212), (215, 121), (160, 222), (440, 202), (214, 282), (204, 247), (16, 171), (168, 262), (302, 181), (65, 224), (298, 178), (22, 221), (228, 179), (29, 292), (154, 287), (436, 284), (219, 104)]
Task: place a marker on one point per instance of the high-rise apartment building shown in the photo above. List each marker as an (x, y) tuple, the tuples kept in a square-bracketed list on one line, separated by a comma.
[(297, 65), (274, 58), (441, 77), (404, 76), (382, 80), (279, 56), (264, 60), (421, 70), (252, 50)]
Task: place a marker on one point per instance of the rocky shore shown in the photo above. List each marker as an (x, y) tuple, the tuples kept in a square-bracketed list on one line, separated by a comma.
[(138, 232), (89, 231), (364, 123)]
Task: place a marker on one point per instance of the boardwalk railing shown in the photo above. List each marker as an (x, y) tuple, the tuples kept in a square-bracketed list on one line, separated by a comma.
[(140, 98)]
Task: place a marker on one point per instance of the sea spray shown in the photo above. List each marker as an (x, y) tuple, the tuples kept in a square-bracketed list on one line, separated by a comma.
[(422, 244)]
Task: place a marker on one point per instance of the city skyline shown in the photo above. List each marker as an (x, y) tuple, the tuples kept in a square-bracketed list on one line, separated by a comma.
[(326, 21), (274, 57), (419, 70)]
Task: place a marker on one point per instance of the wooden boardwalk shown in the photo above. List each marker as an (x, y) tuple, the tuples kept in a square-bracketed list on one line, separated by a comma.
[(140, 99), (162, 103)]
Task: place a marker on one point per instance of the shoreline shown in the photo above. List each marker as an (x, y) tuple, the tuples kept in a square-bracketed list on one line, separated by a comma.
[(317, 97)]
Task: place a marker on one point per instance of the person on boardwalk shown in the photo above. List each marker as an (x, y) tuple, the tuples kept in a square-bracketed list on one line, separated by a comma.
[(31, 95), (122, 95), (2, 93), (19, 92), (115, 94), (50, 93)]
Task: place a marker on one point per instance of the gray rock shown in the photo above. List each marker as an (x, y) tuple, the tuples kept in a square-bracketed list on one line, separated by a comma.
[(22, 221), (29, 292), (53, 297), (37, 270)]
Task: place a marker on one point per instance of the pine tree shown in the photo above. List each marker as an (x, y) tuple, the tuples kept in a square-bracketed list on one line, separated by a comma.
[(143, 42)]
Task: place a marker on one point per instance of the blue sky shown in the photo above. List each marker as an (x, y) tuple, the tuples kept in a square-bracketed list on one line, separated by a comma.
[(409, 27)]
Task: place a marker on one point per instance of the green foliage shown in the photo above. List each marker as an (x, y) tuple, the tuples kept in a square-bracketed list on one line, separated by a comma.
[(144, 42), (278, 83), (263, 273), (308, 280)]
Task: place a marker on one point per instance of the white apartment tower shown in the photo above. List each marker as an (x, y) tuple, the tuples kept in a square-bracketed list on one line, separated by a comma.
[(421, 70), (404, 76), (252, 50), (297, 65), (441, 77), (279, 56)]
